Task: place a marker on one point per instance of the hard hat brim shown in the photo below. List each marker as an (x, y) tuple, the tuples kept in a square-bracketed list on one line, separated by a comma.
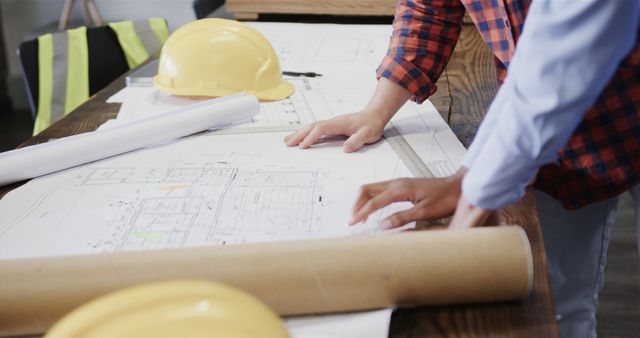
[(281, 92)]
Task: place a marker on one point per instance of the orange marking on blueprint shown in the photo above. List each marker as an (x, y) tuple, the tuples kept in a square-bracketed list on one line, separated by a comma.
[(176, 186)]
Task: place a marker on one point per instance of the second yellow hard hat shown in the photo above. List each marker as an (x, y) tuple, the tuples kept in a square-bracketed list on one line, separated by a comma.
[(179, 308), (218, 57)]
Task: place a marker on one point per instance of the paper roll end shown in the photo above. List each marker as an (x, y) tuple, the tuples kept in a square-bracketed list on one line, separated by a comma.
[(529, 259)]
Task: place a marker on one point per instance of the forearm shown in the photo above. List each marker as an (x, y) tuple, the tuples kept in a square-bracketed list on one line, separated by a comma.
[(387, 99)]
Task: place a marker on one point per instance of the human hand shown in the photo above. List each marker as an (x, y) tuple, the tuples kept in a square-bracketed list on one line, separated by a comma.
[(362, 128), (469, 216), (432, 198)]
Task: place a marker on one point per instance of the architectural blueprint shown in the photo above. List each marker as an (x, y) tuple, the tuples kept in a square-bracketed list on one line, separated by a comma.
[(204, 190), (288, 114), (233, 185), (318, 99), (328, 49)]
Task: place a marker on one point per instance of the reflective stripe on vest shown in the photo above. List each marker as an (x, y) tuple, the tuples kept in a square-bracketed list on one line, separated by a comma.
[(63, 75), (140, 39), (159, 26)]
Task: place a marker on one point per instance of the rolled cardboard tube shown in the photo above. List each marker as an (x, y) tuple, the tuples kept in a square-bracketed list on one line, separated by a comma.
[(302, 277)]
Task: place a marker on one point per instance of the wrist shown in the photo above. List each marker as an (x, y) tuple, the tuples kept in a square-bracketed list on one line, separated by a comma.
[(380, 111), (458, 176), (468, 215), (454, 182), (377, 115), (387, 99)]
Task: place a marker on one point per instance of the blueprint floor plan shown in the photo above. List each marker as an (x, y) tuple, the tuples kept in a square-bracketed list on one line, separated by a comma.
[(322, 98), (206, 189)]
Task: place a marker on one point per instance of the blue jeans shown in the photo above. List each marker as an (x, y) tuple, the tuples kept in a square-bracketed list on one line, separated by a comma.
[(576, 245), (635, 193)]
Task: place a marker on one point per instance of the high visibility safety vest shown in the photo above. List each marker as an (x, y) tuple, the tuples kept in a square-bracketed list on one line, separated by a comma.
[(140, 39), (63, 64)]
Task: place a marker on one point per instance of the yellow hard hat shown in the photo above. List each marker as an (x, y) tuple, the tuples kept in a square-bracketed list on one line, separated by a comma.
[(218, 57), (182, 308)]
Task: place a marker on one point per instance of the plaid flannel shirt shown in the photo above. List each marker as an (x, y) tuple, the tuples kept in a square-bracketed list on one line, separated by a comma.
[(602, 158)]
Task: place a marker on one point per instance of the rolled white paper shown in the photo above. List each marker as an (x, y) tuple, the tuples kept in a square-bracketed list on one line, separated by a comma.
[(45, 158)]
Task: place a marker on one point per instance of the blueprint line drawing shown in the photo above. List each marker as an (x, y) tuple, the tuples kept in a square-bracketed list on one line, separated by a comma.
[(210, 205), (209, 189), (349, 50), (327, 48), (322, 98)]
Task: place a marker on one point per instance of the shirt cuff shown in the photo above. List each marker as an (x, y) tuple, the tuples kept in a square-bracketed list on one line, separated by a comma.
[(498, 177), (408, 76)]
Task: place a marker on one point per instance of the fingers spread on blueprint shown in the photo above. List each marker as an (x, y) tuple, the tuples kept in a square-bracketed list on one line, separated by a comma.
[(377, 196), (400, 218), (331, 127), (357, 140), (366, 192), (294, 139)]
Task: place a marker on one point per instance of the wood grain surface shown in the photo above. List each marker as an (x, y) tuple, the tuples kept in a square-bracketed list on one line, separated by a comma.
[(332, 7), (471, 79), (467, 92)]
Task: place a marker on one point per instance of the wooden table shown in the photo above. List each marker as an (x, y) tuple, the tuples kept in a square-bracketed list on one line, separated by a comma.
[(250, 9), (465, 90)]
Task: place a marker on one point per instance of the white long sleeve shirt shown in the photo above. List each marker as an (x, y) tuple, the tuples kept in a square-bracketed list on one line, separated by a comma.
[(568, 52)]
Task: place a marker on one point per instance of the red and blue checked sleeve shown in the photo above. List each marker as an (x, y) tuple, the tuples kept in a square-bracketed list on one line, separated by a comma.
[(424, 35)]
